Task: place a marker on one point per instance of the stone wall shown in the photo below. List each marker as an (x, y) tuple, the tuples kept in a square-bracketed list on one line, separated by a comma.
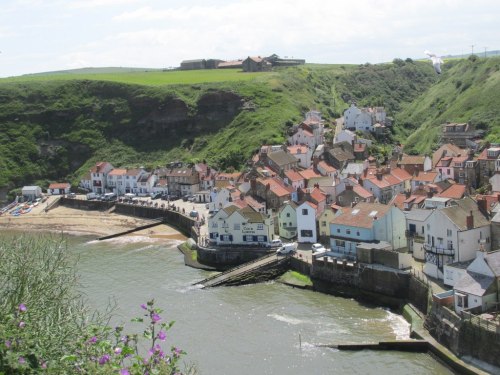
[(418, 293), (300, 266), (464, 337), (389, 283), (83, 204)]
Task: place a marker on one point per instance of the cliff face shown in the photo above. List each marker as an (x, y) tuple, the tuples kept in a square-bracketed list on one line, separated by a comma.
[(51, 130)]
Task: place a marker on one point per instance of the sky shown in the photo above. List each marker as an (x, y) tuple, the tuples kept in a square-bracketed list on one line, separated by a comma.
[(48, 35)]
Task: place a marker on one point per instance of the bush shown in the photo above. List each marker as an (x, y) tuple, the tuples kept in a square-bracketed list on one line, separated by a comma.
[(45, 327)]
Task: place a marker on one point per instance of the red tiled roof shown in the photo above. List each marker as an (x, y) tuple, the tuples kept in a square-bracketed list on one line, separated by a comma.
[(327, 167), (401, 174), (59, 185), (276, 186), (298, 149), (426, 177), (359, 147), (118, 172), (318, 195), (362, 215), (455, 191), (293, 175), (362, 192), (309, 173)]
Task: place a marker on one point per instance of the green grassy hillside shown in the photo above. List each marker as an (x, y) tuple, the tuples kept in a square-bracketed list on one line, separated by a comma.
[(56, 126), (466, 91)]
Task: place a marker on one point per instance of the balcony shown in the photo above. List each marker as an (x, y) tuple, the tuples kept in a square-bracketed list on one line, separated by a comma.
[(417, 237), (439, 250)]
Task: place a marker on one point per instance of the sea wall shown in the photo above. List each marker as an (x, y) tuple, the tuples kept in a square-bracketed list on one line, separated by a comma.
[(473, 336)]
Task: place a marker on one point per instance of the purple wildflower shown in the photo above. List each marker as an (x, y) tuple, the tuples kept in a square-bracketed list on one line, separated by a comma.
[(177, 352), (22, 361), (92, 340), (22, 307), (157, 348), (8, 343), (144, 307), (162, 336), (43, 365), (21, 324), (118, 350), (104, 359), (155, 318), (124, 371)]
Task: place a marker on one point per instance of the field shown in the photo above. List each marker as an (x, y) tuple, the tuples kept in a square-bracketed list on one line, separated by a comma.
[(149, 78)]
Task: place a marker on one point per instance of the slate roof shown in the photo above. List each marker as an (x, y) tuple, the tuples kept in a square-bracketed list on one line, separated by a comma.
[(474, 283), (282, 158), (412, 160), (251, 215), (493, 260), (418, 214), (459, 212)]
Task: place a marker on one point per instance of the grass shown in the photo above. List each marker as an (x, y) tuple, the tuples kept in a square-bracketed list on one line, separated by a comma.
[(296, 278), (147, 78)]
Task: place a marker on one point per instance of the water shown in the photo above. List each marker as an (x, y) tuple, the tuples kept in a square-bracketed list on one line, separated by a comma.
[(252, 329)]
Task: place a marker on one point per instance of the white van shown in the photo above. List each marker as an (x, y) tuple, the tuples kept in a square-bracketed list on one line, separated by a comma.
[(287, 248)]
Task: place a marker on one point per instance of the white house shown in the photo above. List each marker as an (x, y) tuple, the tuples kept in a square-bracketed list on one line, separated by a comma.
[(478, 286), (368, 223), (59, 188), (415, 231), (303, 153), (306, 222), (287, 220), (219, 198), (309, 132), (99, 177), (495, 182), (145, 183), (454, 234), (350, 115), (245, 226), (123, 181)]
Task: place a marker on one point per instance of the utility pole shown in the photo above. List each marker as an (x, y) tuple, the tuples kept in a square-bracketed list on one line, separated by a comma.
[(485, 49), (472, 49)]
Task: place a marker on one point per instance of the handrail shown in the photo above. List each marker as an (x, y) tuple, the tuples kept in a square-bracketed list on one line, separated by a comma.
[(249, 271), (235, 268)]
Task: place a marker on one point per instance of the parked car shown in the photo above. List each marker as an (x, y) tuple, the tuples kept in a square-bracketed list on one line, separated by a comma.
[(276, 243), (193, 213), (317, 247), (155, 195)]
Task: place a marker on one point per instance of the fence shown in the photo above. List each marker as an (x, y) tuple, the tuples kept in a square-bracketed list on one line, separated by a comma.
[(476, 320)]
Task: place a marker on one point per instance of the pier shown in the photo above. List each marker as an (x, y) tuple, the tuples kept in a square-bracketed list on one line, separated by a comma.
[(261, 269)]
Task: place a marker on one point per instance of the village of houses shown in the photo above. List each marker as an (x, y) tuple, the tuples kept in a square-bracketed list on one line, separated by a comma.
[(336, 194)]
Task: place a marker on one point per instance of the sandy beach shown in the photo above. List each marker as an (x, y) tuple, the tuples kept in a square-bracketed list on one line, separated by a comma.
[(79, 222)]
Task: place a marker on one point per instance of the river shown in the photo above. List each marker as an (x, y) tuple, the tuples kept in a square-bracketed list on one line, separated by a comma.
[(256, 329)]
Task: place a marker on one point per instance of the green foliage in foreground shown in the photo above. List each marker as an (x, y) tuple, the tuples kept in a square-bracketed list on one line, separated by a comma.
[(45, 327), (294, 277)]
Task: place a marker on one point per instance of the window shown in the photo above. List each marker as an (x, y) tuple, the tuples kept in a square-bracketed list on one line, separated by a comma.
[(237, 227), (261, 238), (214, 225), (306, 233), (288, 214), (339, 243), (323, 223), (260, 226), (338, 230), (449, 232), (357, 233), (348, 231), (304, 211)]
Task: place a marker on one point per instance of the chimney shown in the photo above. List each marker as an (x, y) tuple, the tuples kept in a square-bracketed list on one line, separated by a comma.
[(348, 187), (315, 162), (482, 205), (253, 184), (379, 174), (469, 221), (407, 194), (430, 193)]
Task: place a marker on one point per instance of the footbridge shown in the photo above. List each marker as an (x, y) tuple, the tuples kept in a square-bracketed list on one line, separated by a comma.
[(262, 269)]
